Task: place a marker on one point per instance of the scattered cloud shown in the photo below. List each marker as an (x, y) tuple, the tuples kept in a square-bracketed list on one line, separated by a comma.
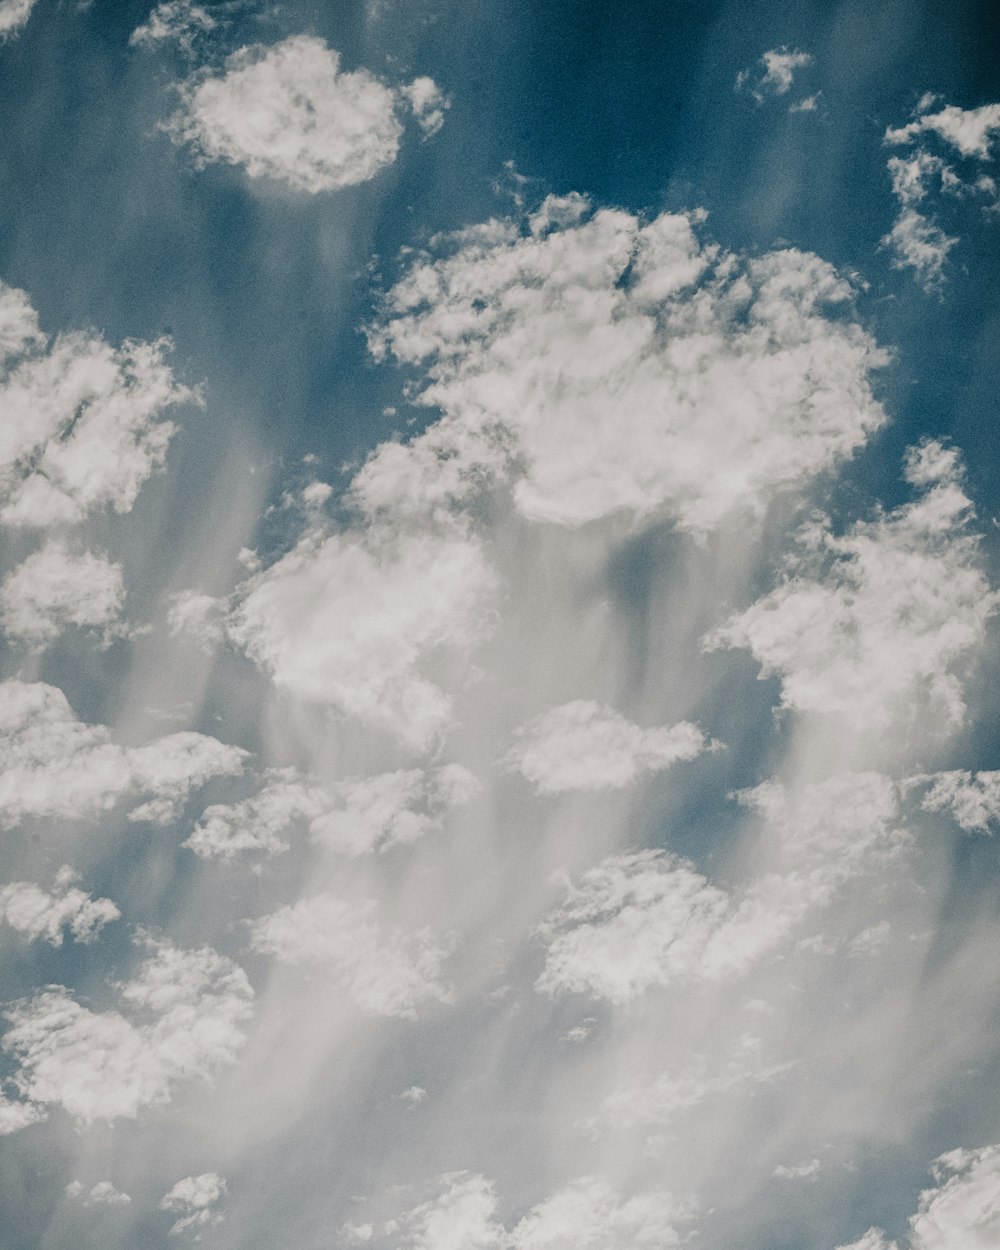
[(184, 1017), (916, 240), (357, 816), (797, 1171), (385, 974), (53, 590), (648, 919), (83, 425), (36, 913), (775, 75), (197, 616), (973, 800), (603, 364), (288, 113), (180, 21), (53, 765), (351, 619), (881, 624), (103, 1194), (584, 746), (196, 1199)]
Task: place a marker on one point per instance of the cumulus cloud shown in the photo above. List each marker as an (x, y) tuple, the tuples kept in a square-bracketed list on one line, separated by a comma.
[(587, 1214), (13, 15), (197, 616), (881, 624), (83, 425), (603, 364), (973, 800), (384, 974), (36, 913), (103, 1194), (647, 919), (54, 589), (183, 1018), (797, 1171), (290, 114), (961, 1212), (357, 816), (196, 1198), (584, 746), (180, 21), (54, 765), (778, 68), (916, 239), (351, 620)]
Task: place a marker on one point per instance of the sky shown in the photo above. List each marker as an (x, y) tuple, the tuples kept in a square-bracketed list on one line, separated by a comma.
[(499, 577)]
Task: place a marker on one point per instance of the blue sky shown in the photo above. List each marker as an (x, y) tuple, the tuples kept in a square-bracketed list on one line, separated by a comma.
[(498, 564)]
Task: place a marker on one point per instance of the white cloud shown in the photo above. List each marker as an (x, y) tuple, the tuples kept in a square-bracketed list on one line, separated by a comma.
[(962, 1212), (199, 616), (350, 620), (428, 103), (53, 765), (591, 1214), (880, 625), (180, 20), (648, 919), (36, 913), (584, 746), (974, 801), (920, 244), (288, 113), (779, 66), (54, 589), (195, 1197), (916, 239), (797, 1171), (13, 15), (357, 816), (15, 1116), (103, 1194), (608, 365), (970, 131), (82, 423), (587, 1214), (184, 1017), (385, 974)]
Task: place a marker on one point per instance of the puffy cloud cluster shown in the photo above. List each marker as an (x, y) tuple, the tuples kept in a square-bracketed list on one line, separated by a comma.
[(13, 15), (196, 1199), (357, 816), (881, 624), (54, 765), (384, 974), (647, 919), (962, 1212), (181, 21), (35, 913), (103, 1194), (916, 239), (778, 67), (603, 364), (584, 746), (83, 425), (354, 620), (973, 800), (184, 1016), (587, 1214), (290, 114), (54, 589)]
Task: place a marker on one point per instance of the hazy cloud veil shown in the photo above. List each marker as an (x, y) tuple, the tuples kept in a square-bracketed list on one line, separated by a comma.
[(498, 594)]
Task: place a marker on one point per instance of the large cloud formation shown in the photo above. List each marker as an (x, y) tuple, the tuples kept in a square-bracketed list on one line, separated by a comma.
[(604, 363)]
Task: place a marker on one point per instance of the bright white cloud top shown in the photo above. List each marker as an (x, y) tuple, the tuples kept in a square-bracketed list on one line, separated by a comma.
[(14, 15), (288, 113), (55, 589)]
